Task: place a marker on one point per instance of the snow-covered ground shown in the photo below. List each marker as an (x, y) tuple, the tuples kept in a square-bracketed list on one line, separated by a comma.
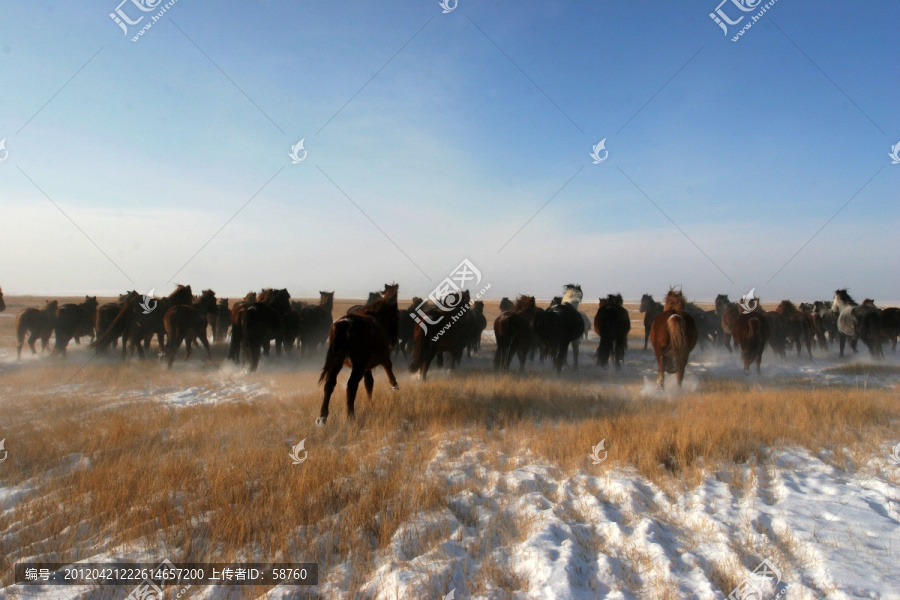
[(607, 532)]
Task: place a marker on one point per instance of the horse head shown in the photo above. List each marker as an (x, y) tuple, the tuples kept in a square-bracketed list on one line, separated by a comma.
[(675, 300), (842, 300), (646, 302)]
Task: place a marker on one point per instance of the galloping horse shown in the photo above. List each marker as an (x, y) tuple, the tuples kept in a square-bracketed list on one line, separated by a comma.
[(816, 323), (857, 322), (73, 320), (223, 320), (777, 332), (673, 335), (137, 326), (751, 332), (475, 328), (450, 333), (315, 323), (513, 332), (261, 322), (651, 309), (188, 323), (362, 341), (799, 328), (406, 327), (107, 313), (560, 325), (727, 312), (612, 323), (829, 319), (40, 322)]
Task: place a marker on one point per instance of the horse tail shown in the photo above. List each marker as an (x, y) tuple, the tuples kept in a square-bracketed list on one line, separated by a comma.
[(755, 337), (338, 347), (420, 341), (21, 328), (677, 338), (116, 328)]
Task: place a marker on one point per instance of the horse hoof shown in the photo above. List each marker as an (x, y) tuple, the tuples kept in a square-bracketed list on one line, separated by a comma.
[(320, 421), (396, 388)]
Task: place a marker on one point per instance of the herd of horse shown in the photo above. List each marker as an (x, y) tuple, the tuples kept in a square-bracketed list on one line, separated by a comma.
[(371, 335)]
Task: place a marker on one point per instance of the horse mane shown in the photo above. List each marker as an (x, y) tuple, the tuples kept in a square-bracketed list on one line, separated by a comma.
[(250, 297), (675, 300), (845, 297), (524, 303), (614, 299), (573, 294), (786, 308), (868, 302)]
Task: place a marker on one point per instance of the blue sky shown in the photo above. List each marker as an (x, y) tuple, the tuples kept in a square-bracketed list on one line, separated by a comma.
[(482, 117)]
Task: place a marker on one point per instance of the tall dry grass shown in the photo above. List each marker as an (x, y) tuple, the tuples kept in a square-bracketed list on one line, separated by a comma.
[(107, 466)]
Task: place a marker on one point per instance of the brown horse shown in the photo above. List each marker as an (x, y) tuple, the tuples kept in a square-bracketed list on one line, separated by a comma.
[(673, 335), (513, 333), (315, 323), (798, 326), (651, 309), (40, 322), (727, 312), (612, 323), (73, 320), (817, 324), (362, 341), (188, 323), (449, 333), (751, 332)]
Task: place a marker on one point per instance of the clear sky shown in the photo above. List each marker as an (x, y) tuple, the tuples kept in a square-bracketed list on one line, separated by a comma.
[(432, 137)]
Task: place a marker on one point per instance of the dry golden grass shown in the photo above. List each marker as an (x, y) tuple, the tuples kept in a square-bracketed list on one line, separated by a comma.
[(214, 482)]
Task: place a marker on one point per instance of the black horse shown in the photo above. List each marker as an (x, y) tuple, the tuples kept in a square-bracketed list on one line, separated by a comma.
[(612, 323), (560, 325)]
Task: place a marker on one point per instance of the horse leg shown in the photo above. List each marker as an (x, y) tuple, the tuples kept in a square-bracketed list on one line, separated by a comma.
[(389, 369), (842, 340), (31, 340), (369, 382), (680, 375), (646, 336), (853, 342), (352, 386), (189, 343), (575, 354), (205, 343), (660, 370), (330, 383)]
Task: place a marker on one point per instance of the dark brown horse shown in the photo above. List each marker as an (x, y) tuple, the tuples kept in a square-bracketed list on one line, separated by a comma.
[(798, 326), (73, 320), (751, 332), (777, 333), (673, 335), (612, 323), (40, 322), (447, 331), (512, 330), (561, 325), (475, 327), (406, 327), (360, 308), (223, 320), (315, 323), (651, 309), (260, 323), (362, 341), (187, 324), (890, 326), (139, 319), (106, 314)]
